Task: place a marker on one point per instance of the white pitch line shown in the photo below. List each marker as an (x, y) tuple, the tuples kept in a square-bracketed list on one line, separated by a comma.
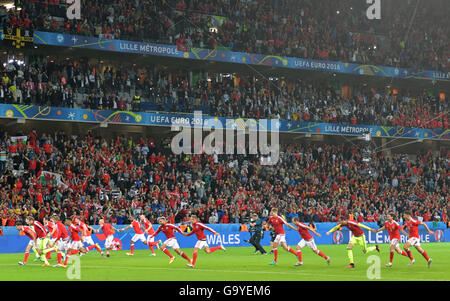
[(300, 273)]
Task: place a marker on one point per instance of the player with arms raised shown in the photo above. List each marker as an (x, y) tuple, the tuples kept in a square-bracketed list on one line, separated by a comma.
[(358, 238), (139, 233), (277, 223), (307, 240), (148, 229), (171, 241), (108, 231), (414, 238), (393, 229), (199, 230)]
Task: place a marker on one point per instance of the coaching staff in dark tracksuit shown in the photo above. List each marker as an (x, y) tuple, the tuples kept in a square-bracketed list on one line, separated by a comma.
[(257, 233)]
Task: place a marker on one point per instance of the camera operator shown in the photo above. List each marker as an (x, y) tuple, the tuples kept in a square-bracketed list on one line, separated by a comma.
[(256, 232)]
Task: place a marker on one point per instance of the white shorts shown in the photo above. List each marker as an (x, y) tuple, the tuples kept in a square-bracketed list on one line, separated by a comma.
[(310, 243), (88, 240), (108, 241), (63, 244), (172, 243), (414, 241), (31, 244), (76, 245), (280, 239), (150, 239), (137, 237), (395, 243), (201, 244)]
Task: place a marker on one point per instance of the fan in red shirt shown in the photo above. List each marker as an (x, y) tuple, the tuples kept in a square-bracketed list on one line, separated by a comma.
[(199, 230), (277, 222), (108, 231), (307, 240), (393, 228), (414, 238), (148, 228), (171, 241), (139, 233), (76, 244)]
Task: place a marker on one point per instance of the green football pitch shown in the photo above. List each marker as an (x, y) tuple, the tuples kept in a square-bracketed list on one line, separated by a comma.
[(236, 264)]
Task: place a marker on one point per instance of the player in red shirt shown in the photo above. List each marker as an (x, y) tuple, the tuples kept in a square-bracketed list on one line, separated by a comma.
[(414, 238), (198, 229), (358, 238), (171, 241), (42, 239), (86, 237), (277, 223), (139, 233), (76, 244), (393, 228), (148, 229), (28, 231), (108, 230), (307, 240), (62, 241)]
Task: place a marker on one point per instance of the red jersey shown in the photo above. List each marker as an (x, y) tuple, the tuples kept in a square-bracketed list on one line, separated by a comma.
[(39, 229), (167, 229), (304, 233), (356, 230), (198, 229), (84, 230), (277, 223), (75, 232), (29, 232), (107, 229), (62, 230), (393, 229), (413, 228), (148, 226), (137, 226), (51, 226)]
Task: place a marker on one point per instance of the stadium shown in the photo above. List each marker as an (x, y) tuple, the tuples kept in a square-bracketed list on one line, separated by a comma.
[(224, 140)]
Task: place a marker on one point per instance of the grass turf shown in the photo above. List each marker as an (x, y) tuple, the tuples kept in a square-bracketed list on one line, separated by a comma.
[(236, 264)]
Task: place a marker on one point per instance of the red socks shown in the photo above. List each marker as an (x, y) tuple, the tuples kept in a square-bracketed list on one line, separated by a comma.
[(275, 253), (424, 254), (167, 253), (194, 258), (27, 254), (49, 255), (391, 257), (59, 256), (321, 254), (185, 257), (132, 249), (405, 254), (213, 249), (409, 254)]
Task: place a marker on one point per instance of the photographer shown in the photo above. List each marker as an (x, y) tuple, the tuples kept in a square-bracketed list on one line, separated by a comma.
[(256, 232)]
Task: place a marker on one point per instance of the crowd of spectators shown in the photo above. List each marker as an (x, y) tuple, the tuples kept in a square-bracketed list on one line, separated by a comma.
[(101, 86), (95, 177), (325, 30)]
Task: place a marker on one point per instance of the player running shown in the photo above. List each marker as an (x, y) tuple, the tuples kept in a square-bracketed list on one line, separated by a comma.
[(139, 233), (307, 240), (414, 238), (86, 237), (358, 238), (171, 241), (393, 229), (42, 239), (198, 229), (28, 231), (148, 229), (277, 223), (62, 241), (108, 230), (76, 244)]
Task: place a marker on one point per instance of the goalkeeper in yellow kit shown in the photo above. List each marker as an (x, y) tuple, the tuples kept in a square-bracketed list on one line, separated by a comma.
[(358, 238)]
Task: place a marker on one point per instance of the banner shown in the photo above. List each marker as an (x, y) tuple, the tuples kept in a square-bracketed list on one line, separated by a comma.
[(19, 139), (51, 176), (169, 119), (101, 43), (18, 37), (12, 242)]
